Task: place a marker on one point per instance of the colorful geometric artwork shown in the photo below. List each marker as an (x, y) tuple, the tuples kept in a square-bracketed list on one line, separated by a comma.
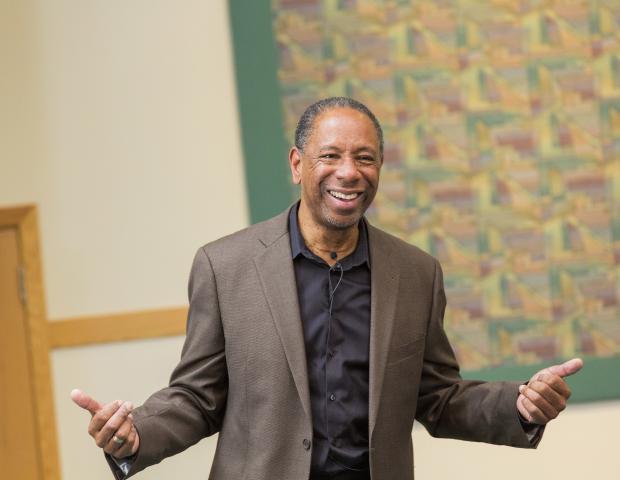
[(502, 126)]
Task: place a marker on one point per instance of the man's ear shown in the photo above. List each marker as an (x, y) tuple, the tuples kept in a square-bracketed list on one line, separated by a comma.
[(294, 162)]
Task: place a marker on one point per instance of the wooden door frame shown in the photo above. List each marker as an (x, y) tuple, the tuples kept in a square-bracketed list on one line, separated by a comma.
[(24, 219)]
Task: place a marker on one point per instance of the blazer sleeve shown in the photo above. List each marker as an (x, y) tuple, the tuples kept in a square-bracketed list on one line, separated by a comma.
[(192, 406), (451, 407)]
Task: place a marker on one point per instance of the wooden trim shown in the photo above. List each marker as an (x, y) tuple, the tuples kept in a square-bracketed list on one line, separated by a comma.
[(117, 327), (24, 219), (13, 216)]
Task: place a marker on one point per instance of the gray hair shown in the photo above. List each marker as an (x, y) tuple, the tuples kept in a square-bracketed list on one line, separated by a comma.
[(306, 121)]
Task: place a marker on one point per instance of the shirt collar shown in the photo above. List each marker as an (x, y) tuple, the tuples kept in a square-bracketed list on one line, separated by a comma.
[(359, 256)]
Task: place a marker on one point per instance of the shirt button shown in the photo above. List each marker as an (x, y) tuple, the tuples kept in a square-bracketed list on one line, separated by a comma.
[(332, 397), (307, 444)]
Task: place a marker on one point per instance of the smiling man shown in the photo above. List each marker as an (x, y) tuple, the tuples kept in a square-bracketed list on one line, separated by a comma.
[(315, 339), (336, 161)]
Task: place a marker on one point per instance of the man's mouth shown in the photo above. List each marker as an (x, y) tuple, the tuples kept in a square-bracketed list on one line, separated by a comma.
[(343, 196)]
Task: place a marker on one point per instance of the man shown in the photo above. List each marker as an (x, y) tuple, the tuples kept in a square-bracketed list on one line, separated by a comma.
[(314, 339)]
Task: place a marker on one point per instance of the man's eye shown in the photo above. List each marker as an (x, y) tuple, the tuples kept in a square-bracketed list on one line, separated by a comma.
[(329, 156), (366, 159)]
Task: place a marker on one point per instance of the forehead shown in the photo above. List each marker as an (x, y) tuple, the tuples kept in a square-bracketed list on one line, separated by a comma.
[(343, 124)]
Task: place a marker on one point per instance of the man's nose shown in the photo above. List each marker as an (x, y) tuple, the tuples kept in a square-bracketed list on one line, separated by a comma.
[(347, 169)]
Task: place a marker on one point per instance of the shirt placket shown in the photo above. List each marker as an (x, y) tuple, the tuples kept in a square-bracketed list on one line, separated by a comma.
[(330, 396)]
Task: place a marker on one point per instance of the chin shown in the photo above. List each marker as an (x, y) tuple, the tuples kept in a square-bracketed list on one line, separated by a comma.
[(341, 222)]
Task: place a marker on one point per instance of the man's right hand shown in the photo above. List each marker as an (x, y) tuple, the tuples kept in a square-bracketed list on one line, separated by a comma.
[(111, 425)]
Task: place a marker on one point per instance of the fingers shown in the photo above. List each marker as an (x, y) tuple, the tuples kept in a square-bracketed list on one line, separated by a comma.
[(547, 401), (130, 446), (543, 398), (106, 425), (85, 401), (101, 417), (523, 409), (542, 382), (567, 368), (533, 414), (119, 438)]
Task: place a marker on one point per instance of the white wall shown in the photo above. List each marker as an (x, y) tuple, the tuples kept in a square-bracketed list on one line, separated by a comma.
[(581, 444), (119, 120), (136, 160)]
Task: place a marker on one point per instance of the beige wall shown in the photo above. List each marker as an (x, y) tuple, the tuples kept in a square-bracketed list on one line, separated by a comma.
[(581, 444), (121, 125), (128, 141)]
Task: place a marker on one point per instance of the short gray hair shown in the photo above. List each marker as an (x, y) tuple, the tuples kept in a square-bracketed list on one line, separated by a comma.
[(306, 121)]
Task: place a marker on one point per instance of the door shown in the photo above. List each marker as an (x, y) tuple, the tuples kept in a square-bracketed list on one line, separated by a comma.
[(19, 442)]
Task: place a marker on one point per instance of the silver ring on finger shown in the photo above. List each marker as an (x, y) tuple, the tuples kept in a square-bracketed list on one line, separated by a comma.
[(118, 440)]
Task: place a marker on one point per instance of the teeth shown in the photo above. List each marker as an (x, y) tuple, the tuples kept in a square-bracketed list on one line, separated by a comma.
[(343, 196)]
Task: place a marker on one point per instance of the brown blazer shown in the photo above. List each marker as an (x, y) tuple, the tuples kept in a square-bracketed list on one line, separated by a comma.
[(243, 367)]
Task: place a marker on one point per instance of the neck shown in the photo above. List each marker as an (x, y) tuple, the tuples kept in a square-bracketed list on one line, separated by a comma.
[(322, 240)]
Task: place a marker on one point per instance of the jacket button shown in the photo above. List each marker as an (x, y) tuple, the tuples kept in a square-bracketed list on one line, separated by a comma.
[(307, 444)]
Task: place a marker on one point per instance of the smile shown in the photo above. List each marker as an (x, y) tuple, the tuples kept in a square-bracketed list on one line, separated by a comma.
[(343, 196)]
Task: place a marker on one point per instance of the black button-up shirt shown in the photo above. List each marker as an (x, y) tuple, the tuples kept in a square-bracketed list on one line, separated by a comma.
[(334, 305)]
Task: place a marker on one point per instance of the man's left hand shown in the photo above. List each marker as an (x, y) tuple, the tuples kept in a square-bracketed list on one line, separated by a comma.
[(545, 395)]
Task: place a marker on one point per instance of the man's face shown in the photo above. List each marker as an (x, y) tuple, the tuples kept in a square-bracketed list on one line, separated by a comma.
[(339, 168)]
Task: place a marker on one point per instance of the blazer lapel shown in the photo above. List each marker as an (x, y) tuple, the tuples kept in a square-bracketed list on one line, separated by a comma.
[(384, 285), (277, 277)]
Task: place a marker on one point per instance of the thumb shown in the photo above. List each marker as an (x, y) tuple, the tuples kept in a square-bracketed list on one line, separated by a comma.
[(567, 368), (85, 401)]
